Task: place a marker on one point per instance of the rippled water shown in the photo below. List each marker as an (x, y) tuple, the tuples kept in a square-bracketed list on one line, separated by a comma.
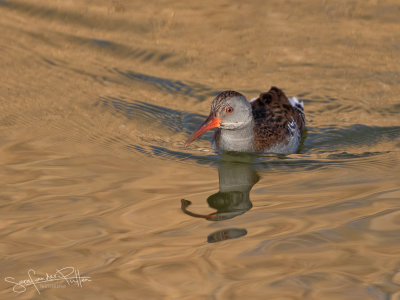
[(96, 101)]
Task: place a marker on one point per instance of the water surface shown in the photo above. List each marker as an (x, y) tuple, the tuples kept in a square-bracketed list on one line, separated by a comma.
[(97, 99)]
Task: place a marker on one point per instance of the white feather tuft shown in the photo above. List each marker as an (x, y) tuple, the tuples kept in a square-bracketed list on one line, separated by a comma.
[(296, 103)]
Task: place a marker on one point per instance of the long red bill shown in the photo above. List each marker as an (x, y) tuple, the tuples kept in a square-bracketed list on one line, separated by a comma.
[(208, 124)]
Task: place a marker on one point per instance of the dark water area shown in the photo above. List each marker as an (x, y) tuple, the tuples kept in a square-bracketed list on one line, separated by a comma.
[(101, 199)]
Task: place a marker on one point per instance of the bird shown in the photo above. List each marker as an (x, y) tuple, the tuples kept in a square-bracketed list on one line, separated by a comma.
[(270, 123)]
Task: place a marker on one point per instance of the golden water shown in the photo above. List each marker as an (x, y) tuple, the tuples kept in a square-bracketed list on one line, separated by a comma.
[(96, 100)]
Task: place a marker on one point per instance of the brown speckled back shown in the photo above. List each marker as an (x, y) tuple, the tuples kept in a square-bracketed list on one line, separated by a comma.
[(272, 114)]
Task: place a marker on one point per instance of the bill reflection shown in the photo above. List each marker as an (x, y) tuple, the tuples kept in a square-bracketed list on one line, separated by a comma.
[(236, 179)]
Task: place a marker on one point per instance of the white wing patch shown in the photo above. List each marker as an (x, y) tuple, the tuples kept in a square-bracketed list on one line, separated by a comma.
[(254, 99), (296, 103), (292, 127)]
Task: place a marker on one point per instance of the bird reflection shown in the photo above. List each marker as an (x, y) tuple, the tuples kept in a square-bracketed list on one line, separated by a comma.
[(236, 179)]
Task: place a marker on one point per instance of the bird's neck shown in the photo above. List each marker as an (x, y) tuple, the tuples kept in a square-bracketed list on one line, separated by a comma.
[(239, 139)]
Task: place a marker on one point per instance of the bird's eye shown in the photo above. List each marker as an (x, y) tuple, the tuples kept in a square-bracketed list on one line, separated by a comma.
[(229, 110)]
